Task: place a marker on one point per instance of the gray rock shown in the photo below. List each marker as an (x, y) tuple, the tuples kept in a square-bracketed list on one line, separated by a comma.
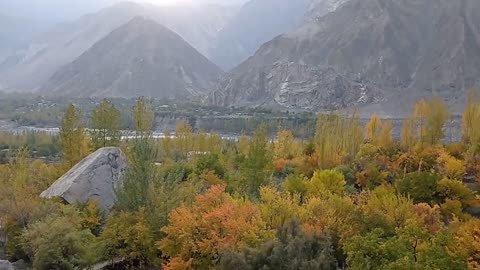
[(94, 178), (5, 265)]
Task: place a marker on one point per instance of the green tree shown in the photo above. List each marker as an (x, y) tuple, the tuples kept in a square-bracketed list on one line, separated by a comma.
[(255, 164), (73, 139), (105, 124), (61, 242), (137, 182), (128, 235), (412, 248), (143, 116), (420, 186), (291, 250)]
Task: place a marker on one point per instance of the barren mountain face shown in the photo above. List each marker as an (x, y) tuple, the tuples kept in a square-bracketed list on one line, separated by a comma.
[(141, 58), (398, 46)]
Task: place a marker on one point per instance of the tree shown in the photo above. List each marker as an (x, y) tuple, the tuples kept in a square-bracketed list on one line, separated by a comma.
[(143, 116), (412, 247), (373, 128), (430, 117), (292, 249), (135, 192), (420, 118), (337, 137), (385, 139), (278, 208), (61, 242), (387, 210), (105, 124), (198, 234), (467, 238), (136, 189), (326, 182), (128, 235), (471, 119), (420, 186), (255, 164), (73, 139), (284, 145), (296, 184), (437, 115), (407, 140), (451, 167), (210, 163), (455, 190)]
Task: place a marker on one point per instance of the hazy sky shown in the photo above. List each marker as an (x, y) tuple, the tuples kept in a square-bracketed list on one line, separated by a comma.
[(56, 10)]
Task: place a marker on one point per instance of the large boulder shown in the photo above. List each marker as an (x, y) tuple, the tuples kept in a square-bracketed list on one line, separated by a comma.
[(93, 178), (5, 265)]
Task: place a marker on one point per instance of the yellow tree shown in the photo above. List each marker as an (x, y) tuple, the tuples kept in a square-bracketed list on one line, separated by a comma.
[(471, 119), (385, 139), (420, 118), (326, 182), (284, 144), (73, 139), (278, 208), (372, 129), (437, 115), (407, 139), (337, 137)]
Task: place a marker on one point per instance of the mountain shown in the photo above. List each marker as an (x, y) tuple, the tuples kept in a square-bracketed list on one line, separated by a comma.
[(16, 32), (406, 48), (258, 21), (141, 58), (27, 69)]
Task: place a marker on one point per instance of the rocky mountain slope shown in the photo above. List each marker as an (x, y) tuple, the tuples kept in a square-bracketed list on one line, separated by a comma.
[(405, 48), (29, 68), (141, 58), (258, 21)]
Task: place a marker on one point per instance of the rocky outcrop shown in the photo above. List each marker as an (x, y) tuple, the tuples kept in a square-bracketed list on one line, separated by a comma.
[(294, 86), (94, 178), (6, 265)]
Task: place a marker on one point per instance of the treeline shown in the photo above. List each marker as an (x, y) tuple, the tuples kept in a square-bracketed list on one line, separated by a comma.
[(350, 197)]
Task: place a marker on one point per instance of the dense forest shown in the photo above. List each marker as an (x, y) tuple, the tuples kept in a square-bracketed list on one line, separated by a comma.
[(352, 196)]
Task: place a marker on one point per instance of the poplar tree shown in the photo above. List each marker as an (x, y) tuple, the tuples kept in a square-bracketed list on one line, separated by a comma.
[(105, 123), (73, 139)]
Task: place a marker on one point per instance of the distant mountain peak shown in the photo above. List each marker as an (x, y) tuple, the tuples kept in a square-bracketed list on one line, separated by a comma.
[(140, 58)]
